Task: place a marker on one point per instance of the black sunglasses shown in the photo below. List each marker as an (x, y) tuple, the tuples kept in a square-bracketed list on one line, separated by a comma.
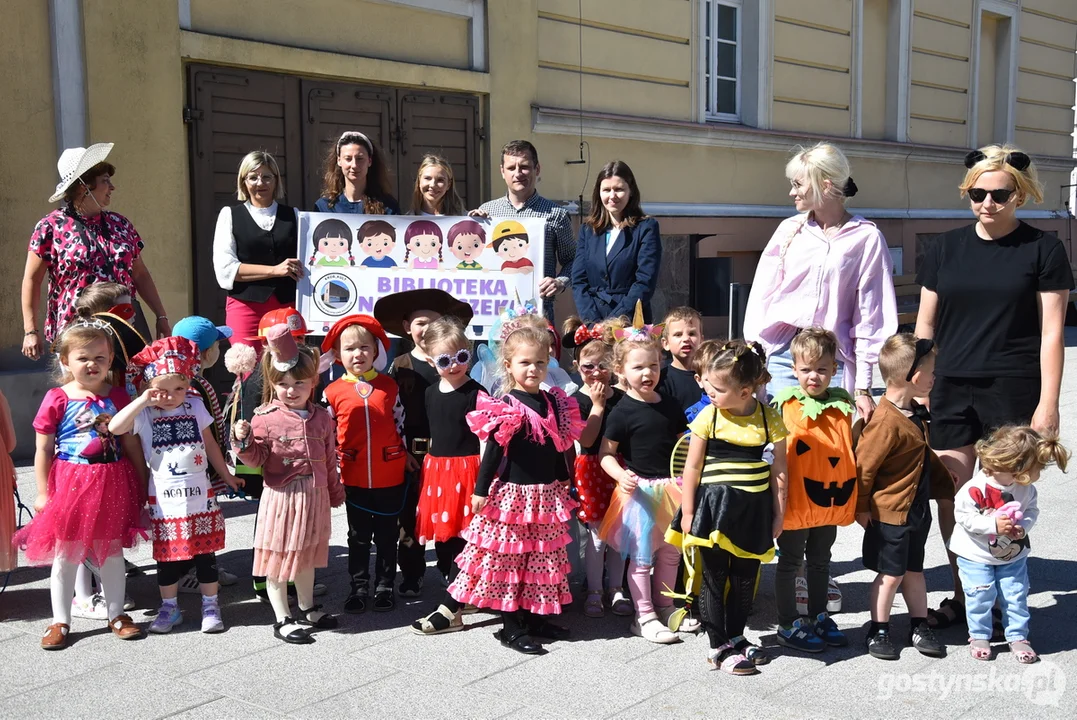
[(923, 349), (447, 360), (1000, 196)]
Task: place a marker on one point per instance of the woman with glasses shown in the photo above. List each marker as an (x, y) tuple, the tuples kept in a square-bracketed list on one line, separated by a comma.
[(356, 178), (254, 248), (994, 296)]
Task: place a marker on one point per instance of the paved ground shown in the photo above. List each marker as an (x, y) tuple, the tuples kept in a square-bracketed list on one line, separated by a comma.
[(373, 665)]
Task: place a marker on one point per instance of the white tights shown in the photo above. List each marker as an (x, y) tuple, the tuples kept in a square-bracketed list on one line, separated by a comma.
[(64, 573), (595, 552), (304, 590)]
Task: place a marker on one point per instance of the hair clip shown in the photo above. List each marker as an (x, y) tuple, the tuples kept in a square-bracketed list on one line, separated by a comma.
[(850, 188)]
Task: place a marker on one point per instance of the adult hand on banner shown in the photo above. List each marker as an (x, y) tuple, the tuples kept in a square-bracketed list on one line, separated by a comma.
[(289, 268), (548, 287), (478, 213)]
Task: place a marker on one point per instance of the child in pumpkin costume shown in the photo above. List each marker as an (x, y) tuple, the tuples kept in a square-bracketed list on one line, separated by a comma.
[(822, 489)]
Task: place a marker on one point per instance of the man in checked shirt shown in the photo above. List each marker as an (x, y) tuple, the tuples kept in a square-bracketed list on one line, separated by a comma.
[(520, 169)]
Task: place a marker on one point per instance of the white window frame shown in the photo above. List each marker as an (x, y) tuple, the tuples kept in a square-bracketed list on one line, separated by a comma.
[(709, 35), (1005, 110)]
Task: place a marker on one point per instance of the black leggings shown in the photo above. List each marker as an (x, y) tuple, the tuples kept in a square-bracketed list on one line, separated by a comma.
[(447, 551), (725, 614), (205, 569)]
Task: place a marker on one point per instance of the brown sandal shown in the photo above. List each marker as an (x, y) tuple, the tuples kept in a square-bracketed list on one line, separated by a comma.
[(55, 637), (124, 627)]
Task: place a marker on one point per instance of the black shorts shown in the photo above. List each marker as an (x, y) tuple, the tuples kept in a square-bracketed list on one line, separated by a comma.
[(898, 549), (963, 410)]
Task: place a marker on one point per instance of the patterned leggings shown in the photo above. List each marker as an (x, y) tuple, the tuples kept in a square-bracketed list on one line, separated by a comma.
[(725, 612)]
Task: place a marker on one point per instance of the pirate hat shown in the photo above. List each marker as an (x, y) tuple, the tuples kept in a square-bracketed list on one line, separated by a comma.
[(126, 340), (392, 311)]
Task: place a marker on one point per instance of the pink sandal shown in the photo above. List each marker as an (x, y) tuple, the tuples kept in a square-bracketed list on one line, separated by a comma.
[(734, 663), (980, 649), (1023, 652)]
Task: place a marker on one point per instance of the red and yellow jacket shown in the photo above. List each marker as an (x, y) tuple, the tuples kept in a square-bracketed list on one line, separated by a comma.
[(369, 417)]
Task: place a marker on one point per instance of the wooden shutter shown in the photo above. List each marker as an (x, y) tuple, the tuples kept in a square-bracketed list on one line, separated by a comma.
[(445, 124)]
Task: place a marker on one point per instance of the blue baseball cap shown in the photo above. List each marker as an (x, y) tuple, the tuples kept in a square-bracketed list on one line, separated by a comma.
[(201, 331)]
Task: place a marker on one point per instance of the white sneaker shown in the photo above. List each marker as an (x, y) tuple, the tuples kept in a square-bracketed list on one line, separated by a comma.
[(93, 608), (128, 603), (225, 578), (211, 618), (650, 628), (167, 618), (189, 584)]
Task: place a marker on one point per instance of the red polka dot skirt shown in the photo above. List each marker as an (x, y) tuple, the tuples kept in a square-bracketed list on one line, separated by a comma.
[(594, 488), (445, 499)]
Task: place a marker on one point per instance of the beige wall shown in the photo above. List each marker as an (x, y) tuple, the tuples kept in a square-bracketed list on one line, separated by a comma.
[(27, 146), (350, 27), (1044, 119)]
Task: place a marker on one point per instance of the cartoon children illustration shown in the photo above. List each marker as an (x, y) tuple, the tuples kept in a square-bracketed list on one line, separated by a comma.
[(423, 239), (333, 240), (510, 242), (377, 238), (102, 447), (467, 239)]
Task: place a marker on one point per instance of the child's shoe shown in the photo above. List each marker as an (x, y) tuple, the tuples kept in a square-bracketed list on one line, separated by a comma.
[(828, 631), (226, 578), (922, 637), (688, 623), (650, 628), (357, 598), (881, 645), (168, 617), (592, 607), (755, 654), (620, 603), (384, 600), (730, 661), (211, 617), (55, 637), (442, 620), (801, 636), (315, 618), (189, 583), (833, 596), (411, 587), (93, 608)]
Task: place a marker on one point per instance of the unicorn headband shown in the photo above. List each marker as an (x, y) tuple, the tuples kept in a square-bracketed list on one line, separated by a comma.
[(638, 330), (513, 317)]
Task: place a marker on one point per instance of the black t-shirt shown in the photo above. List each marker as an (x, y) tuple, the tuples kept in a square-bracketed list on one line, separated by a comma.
[(447, 412), (586, 405), (681, 385), (646, 433), (413, 382), (528, 463), (987, 323)]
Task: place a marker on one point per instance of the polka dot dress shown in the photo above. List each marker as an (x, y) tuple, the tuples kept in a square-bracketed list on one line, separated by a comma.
[(445, 499), (594, 488)]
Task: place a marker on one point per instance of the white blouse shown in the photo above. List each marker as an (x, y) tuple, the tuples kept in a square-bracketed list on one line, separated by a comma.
[(225, 261)]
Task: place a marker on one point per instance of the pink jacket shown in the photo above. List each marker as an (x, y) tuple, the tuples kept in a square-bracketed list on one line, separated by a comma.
[(844, 284), (287, 446)]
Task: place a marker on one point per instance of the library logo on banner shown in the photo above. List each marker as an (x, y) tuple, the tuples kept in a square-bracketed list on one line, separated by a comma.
[(334, 294)]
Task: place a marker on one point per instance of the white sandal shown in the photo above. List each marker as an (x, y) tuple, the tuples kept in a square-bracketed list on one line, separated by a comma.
[(688, 624), (650, 628), (424, 626)]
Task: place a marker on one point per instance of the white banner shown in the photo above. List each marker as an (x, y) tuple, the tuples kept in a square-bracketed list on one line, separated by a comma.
[(350, 261)]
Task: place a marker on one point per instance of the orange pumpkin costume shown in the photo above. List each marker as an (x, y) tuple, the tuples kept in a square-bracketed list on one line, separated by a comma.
[(819, 453)]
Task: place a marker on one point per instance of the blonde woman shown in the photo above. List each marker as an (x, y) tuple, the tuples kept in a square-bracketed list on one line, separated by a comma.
[(254, 248), (994, 299), (435, 189), (824, 267)]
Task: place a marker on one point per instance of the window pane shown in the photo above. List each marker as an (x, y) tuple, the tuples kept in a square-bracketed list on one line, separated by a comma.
[(727, 22), (707, 25), (727, 60), (727, 97)]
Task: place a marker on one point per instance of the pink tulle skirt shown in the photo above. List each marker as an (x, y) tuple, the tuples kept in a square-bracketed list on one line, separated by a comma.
[(93, 511), (636, 522), (294, 526), (515, 557), (445, 499)]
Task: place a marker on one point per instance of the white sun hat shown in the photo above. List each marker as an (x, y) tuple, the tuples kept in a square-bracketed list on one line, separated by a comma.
[(74, 162)]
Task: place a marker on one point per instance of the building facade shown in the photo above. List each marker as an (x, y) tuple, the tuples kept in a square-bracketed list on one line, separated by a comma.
[(705, 99)]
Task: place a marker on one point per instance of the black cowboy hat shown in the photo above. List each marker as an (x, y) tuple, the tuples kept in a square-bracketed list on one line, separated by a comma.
[(393, 310)]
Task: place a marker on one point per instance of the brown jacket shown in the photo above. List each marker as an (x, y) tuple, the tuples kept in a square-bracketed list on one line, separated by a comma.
[(889, 460)]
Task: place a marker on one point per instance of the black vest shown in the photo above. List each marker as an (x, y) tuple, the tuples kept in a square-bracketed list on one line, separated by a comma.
[(260, 247)]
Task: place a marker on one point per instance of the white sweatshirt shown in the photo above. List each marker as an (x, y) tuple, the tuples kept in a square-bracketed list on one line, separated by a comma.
[(973, 511)]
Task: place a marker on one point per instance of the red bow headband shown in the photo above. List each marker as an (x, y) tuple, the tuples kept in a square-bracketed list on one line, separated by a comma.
[(167, 356)]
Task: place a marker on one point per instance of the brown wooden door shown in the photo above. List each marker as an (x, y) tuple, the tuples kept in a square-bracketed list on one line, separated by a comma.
[(232, 112), (329, 109), (444, 124)]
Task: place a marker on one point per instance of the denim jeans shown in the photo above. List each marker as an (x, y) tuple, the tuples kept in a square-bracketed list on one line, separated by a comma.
[(780, 367), (982, 584)]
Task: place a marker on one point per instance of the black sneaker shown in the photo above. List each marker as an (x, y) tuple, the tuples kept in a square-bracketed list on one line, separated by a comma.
[(384, 600), (411, 587), (357, 598), (881, 646), (923, 639)]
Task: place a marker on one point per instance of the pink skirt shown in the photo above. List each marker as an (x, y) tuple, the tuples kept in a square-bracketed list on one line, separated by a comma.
[(445, 499), (594, 488), (293, 531), (515, 557), (93, 511), (9, 556)]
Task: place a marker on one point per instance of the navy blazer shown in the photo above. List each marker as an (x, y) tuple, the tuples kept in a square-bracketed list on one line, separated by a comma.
[(608, 285)]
